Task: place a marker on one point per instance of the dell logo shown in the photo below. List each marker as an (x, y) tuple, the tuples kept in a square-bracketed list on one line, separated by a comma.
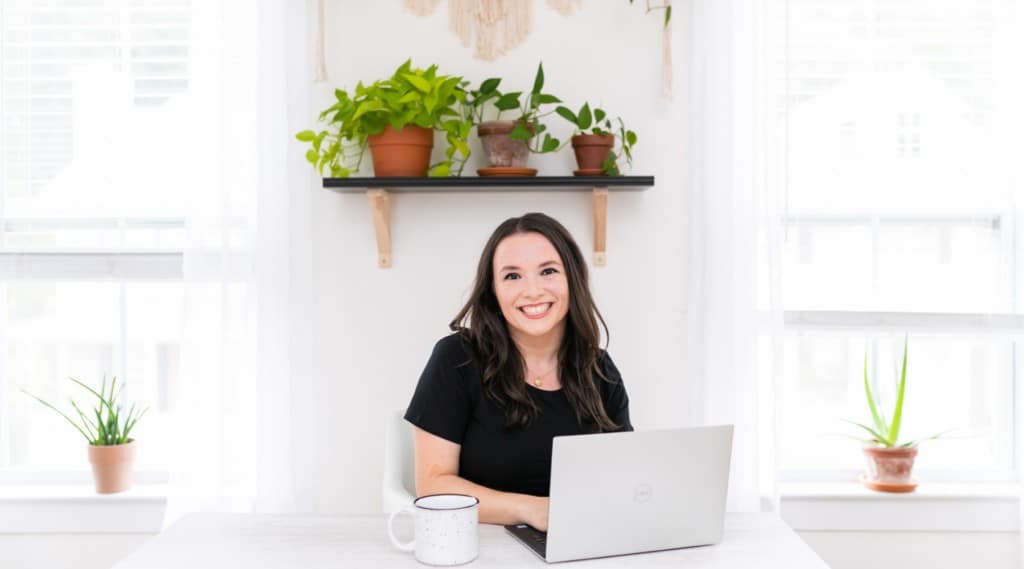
[(642, 493)]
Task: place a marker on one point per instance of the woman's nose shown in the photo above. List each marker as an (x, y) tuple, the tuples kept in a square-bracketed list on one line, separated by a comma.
[(534, 286)]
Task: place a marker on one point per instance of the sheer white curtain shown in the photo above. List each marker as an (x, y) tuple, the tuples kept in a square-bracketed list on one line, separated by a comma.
[(242, 408), (734, 307)]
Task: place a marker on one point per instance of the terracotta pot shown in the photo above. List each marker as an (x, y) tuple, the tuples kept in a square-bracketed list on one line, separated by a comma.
[(112, 466), (889, 469), (502, 151), (592, 150), (403, 152)]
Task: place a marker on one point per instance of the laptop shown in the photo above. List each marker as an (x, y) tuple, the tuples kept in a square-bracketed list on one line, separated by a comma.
[(634, 492)]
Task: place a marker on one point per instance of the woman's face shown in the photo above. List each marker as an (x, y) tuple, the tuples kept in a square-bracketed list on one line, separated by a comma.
[(531, 286)]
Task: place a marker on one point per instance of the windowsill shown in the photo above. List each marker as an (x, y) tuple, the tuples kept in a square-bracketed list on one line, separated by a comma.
[(933, 507), (806, 506), (77, 508)]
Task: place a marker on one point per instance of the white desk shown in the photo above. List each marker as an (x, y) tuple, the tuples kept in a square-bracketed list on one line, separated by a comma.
[(220, 541)]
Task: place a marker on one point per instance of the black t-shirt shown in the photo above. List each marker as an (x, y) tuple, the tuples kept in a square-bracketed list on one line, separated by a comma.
[(449, 402)]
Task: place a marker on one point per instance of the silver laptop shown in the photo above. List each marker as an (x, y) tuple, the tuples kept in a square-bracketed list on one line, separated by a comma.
[(622, 493)]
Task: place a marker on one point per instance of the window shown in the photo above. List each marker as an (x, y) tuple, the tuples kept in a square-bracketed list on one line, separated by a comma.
[(91, 227), (902, 213)]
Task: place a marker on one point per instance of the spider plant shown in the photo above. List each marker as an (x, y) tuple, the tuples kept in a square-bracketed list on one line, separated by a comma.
[(887, 433), (108, 424)]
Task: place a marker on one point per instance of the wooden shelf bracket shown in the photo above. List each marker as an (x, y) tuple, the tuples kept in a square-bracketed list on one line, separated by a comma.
[(380, 205), (600, 226), (379, 192)]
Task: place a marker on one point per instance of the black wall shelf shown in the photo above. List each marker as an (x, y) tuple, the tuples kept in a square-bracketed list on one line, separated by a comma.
[(378, 191), (518, 184)]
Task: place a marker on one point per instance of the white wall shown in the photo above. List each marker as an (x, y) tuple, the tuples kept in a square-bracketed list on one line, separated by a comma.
[(374, 329)]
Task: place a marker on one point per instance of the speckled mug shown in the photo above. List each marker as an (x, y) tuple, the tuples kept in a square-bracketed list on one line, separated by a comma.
[(446, 529)]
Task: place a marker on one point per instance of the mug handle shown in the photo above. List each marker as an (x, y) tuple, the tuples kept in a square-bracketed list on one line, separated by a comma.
[(410, 546)]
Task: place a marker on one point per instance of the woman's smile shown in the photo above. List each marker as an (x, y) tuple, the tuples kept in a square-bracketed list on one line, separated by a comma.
[(536, 311)]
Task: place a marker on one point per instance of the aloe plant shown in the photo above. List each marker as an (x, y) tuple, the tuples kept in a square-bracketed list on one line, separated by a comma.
[(107, 425), (887, 433)]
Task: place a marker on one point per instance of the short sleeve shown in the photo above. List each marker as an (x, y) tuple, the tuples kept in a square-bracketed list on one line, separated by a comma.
[(616, 401), (441, 403)]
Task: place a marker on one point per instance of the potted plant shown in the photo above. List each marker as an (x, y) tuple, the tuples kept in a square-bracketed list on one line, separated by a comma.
[(107, 428), (396, 118), (508, 143), (889, 462), (594, 141)]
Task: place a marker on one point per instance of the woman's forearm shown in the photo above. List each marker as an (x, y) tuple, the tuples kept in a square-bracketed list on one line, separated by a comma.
[(496, 507)]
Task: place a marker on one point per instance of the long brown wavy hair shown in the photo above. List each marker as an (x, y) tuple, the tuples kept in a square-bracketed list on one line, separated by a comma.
[(483, 324)]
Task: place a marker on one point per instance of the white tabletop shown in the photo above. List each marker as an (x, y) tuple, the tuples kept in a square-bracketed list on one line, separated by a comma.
[(220, 541)]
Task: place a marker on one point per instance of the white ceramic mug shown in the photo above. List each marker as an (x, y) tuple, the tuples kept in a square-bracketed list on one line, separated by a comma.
[(446, 529)]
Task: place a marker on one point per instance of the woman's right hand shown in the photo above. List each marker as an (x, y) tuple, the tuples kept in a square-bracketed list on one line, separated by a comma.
[(535, 512)]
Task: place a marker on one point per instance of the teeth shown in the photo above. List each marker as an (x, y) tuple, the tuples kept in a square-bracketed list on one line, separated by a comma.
[(534, 310)]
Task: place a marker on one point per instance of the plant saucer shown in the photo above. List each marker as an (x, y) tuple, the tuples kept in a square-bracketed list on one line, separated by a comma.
[(588, 172), (888, 487)]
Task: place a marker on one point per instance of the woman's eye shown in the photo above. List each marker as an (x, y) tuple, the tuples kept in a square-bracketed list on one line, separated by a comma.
[(511, 276), (551, 269)]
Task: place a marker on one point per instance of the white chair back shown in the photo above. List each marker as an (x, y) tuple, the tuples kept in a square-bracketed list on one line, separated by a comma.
[(399, 484)]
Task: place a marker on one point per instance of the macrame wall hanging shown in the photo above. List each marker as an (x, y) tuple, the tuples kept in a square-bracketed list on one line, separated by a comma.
[(498, 26)]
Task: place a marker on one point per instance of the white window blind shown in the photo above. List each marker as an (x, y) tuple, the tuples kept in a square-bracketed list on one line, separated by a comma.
[(91, 227), (894, 125)]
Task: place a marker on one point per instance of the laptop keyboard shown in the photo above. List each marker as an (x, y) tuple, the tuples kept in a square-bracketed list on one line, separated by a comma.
[(535, 539)]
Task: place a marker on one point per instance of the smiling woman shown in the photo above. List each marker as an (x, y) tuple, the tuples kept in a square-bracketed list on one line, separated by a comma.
[(523, 366)]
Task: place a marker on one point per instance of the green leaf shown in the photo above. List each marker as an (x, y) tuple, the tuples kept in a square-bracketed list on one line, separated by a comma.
[(340, 172), (508, 101), (489, 85), (630, 137), (897, 415), (599, 115), (610, 166), (311, 156), (459, 145), (538, 81), (440, 170), (550, 144), (585, 118), (409, 97), (418, 82), (879, 424), (306, 136), (546, 99), (566, 114), (367, 107), (668, 14), (73, 424), (520, 132), (874, 434)]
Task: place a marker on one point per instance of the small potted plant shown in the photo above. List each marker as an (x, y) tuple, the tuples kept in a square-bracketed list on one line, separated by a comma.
[(594, 141), (889, 463), (108, 429), (395, 118), (508, 143)]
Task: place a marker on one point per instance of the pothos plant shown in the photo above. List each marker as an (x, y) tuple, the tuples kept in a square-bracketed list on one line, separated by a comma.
[(528, 109), (886, 433), (411, 96), (597, 122)]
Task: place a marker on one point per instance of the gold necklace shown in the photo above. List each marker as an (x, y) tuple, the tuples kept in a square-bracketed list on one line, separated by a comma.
[(538, 380)]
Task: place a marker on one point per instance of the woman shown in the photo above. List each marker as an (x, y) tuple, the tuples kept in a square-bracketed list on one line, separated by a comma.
[(524, 365)]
